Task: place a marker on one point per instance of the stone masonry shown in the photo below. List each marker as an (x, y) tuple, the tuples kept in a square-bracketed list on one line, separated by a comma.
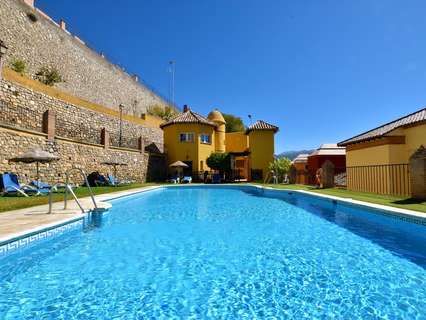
[(418, 174), (84, 156), (26, 118), (24, 108), (87, 74)]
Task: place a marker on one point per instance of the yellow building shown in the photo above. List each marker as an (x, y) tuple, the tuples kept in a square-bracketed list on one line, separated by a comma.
[(192, 138), (377, 160)]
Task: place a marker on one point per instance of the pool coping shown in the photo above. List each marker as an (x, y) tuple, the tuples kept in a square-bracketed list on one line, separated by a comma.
[(103, 201)]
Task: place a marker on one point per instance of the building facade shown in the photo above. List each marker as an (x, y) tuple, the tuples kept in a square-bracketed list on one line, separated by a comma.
[(192, 138), (300, 163), (327, 151), (378, 160)]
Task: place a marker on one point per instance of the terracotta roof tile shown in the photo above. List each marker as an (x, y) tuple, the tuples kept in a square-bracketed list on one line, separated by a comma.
[(329, 149), (416, 117), (188, 117), (261, 125)]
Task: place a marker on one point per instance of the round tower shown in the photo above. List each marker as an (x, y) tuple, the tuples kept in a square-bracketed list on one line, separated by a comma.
[(217, 117)]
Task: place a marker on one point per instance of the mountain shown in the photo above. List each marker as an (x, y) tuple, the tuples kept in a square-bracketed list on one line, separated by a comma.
[(292, 154)]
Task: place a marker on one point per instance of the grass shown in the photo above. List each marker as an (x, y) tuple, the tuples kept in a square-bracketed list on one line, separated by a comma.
[(19, 202), (392, 201)]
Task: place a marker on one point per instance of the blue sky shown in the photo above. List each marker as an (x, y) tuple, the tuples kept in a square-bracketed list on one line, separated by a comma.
[(322, 71)]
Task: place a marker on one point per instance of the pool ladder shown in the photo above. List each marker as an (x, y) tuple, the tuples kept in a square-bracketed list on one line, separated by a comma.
[(68, 189)]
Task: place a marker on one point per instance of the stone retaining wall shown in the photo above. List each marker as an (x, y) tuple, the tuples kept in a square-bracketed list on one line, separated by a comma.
[(75, 136), (88, 157), (24, 108), (87, 74)]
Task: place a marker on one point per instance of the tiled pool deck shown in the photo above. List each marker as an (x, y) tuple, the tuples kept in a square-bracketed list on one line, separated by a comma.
[(17, 223)]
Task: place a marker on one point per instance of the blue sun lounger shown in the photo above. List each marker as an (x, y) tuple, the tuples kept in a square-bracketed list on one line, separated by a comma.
[(113, 181), (40, 185), (9, 184), (187, 179)]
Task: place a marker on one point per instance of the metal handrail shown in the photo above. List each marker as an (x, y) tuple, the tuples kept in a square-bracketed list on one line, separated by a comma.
[(68, 188)]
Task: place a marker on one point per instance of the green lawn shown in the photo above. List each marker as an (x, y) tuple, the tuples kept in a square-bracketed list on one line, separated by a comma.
[(392, 201), (18, 202)]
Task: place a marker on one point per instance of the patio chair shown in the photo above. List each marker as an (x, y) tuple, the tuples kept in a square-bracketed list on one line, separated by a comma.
[(113, 181), (40, 185), (175, 180), (9, 184), (187, 179)]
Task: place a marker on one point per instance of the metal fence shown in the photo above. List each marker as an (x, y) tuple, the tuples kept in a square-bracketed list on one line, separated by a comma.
[(393, 179)]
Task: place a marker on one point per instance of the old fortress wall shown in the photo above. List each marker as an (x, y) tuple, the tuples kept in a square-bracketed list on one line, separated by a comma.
[(78, 119), (87, 74)]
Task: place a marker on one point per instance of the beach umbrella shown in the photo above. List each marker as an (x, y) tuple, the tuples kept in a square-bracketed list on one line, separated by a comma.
[(179, 165), (35, 155), (115, 164)]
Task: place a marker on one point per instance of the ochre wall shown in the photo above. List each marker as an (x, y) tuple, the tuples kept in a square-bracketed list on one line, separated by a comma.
[(376, 155), (220, 137), (389, 153), (415, 137), (374, 173), (236, 142), (261, 146), (185, 151)]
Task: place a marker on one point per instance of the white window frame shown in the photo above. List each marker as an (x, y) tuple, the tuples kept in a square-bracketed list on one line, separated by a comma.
[(205, 135), (189, 137)]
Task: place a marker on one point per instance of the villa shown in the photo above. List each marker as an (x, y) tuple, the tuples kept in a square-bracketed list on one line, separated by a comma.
[(95, 222), (192, 138), (378, 160)]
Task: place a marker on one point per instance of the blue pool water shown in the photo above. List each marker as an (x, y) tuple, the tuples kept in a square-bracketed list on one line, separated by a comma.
[(223, 253)]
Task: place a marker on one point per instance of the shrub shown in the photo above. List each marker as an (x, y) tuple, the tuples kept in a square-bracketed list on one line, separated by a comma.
[(164, 112), (48, 76), (233, 123), (19, 66), (219, 161), (32, 17), (280, 166)]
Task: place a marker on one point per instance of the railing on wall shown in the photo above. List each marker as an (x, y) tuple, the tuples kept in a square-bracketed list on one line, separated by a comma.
[(393, 179)]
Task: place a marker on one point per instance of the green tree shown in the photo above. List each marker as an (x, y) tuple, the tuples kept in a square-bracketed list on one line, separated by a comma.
[(219, 161), (19, 66), (233, 123), (280, 166), (49, 76), (164, 112)]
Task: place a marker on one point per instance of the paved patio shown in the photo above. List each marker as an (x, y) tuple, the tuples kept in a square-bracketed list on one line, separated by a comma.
[(20, 222)]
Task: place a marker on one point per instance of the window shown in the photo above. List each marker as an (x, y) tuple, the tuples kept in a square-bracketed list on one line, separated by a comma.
[(186, 137), (201, 165), (205, 138)]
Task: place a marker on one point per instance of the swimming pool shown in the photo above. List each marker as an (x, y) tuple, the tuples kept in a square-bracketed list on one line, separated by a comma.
[(223, 252)]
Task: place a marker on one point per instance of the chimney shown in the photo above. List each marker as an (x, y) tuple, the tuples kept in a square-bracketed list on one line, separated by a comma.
[(63, 25), (135, 77), (29, 2), (186, 108)]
